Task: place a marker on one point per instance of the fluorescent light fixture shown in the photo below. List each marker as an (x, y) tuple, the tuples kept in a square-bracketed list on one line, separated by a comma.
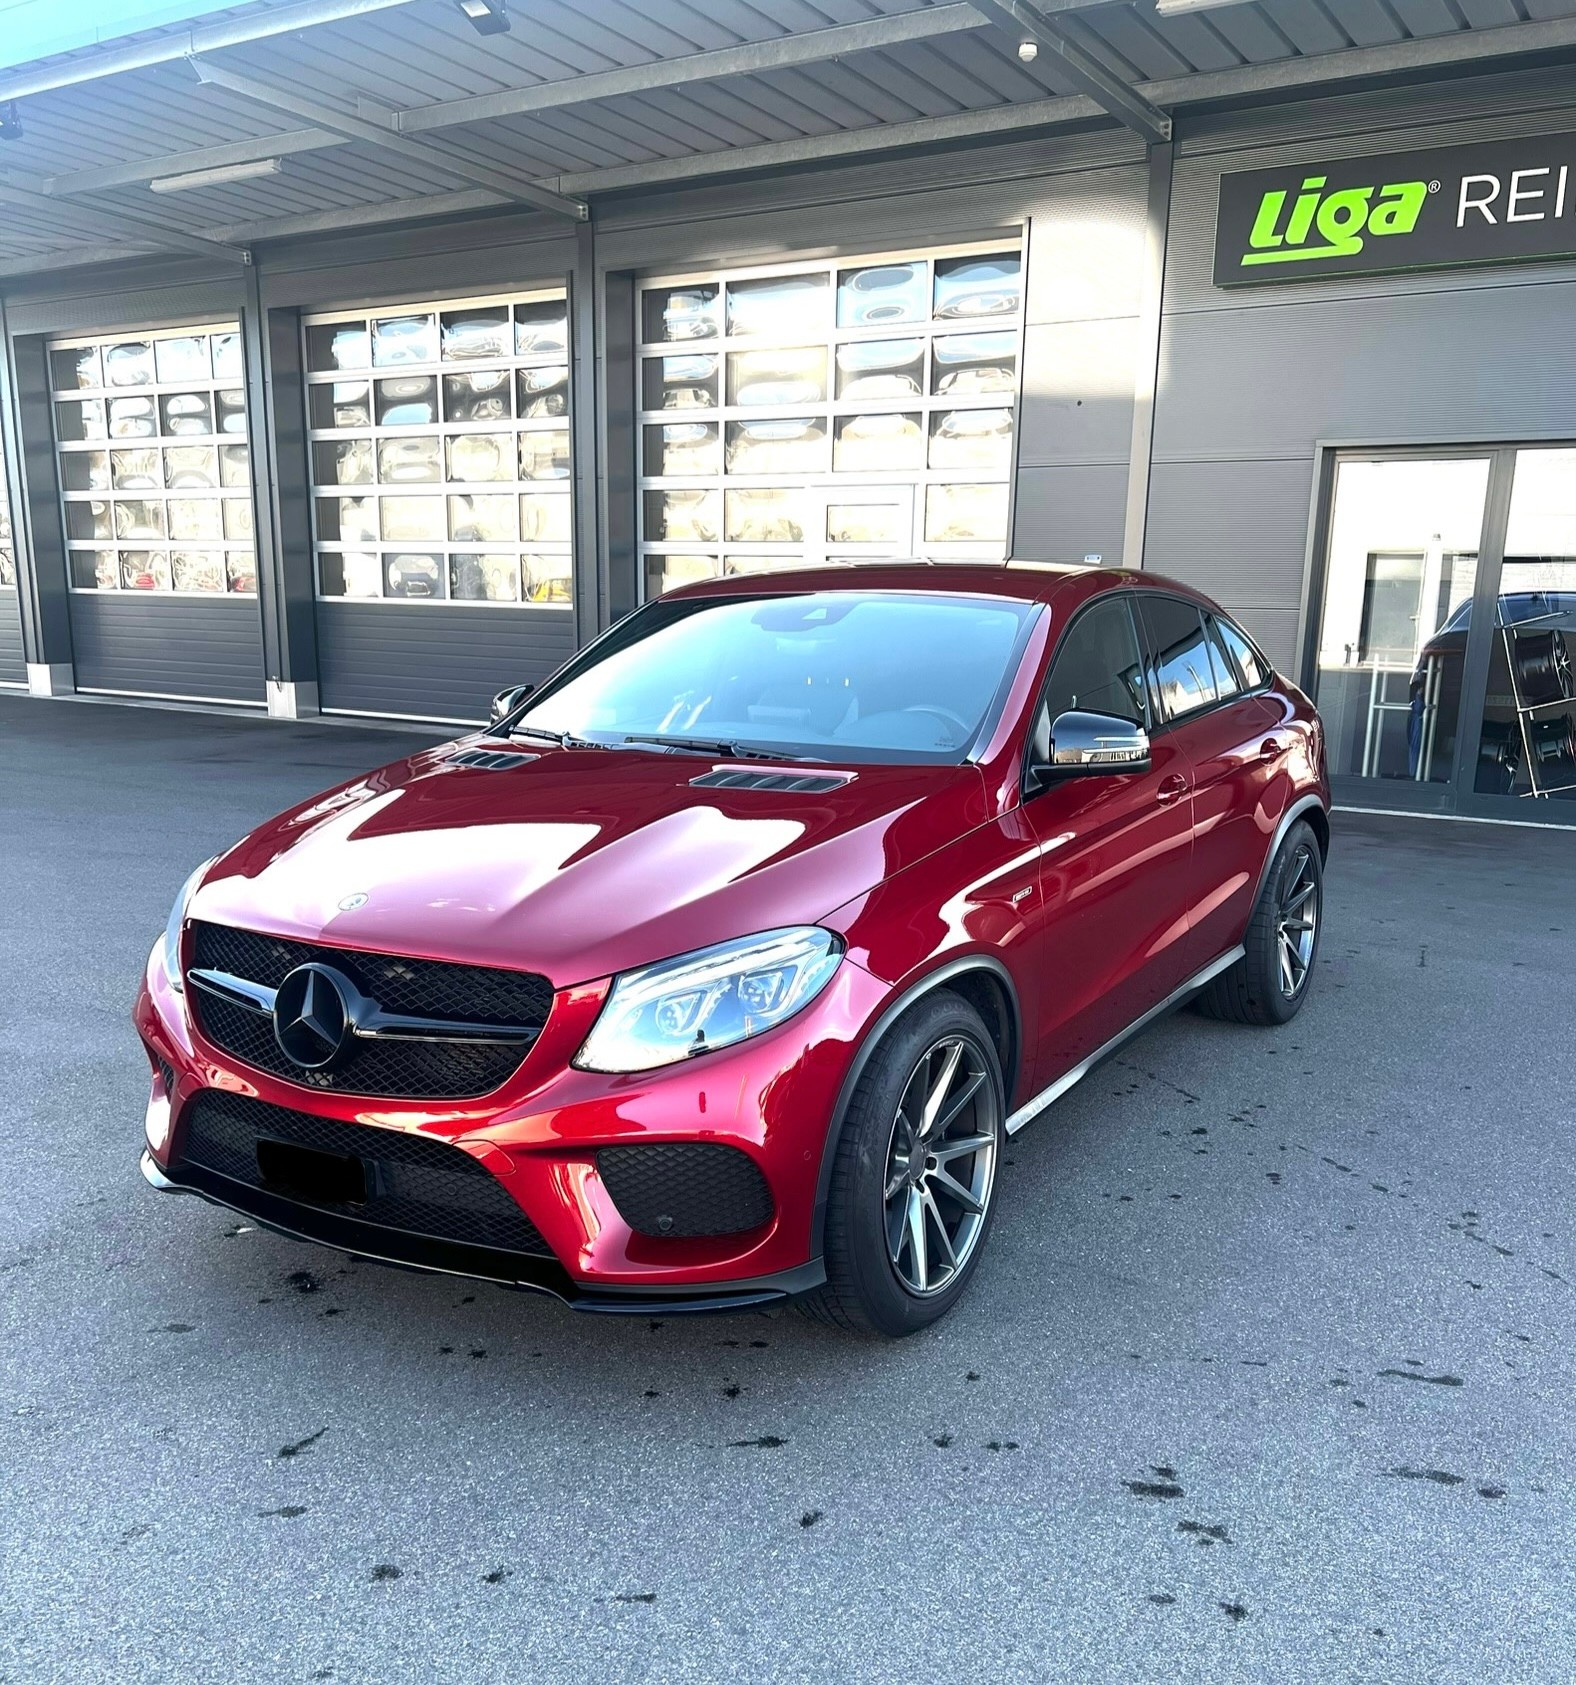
[(220, 176), (488, 17), (1175, 8)]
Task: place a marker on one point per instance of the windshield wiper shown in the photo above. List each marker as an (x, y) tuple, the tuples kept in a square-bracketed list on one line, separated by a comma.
[(716, 746), (564, 739)]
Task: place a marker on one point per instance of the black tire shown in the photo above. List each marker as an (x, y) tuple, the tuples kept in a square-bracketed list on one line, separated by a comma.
[(1254, 990), (865, 1290)]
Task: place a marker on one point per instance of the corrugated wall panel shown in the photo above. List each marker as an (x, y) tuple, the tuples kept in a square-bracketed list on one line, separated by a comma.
[(1493, 362), (1064, 514), (1252, 378), (1237, 530), (1078, 392), (428, 662), (13, 669), (151, 644)]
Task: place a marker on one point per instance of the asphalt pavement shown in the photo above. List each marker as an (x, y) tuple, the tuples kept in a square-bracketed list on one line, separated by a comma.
[(1266, 1375)]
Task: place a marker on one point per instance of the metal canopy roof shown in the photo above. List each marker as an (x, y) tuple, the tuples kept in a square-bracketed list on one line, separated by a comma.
[(373, 111)]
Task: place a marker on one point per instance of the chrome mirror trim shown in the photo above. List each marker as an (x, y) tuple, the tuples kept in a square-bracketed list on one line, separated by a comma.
[(1089, 742)]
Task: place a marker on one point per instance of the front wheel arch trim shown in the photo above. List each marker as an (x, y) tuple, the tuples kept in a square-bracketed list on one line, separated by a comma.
[(929, 984)]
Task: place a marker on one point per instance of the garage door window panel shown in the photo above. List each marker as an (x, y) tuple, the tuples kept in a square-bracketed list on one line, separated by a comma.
[(770, 397), (174, 501), (455, 456)]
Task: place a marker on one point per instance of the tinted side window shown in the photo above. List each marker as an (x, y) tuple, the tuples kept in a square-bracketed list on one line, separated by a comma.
[(1178, 653), (1098, 668), (1250, 663), (1225, 675)]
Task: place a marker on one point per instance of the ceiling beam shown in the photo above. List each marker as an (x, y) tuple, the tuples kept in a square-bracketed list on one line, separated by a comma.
[(769, 155), (1086, 73), (814, 47), (257, 25), (784, 52), (135, 228), (145, 170), (71, 257), (511, 186)]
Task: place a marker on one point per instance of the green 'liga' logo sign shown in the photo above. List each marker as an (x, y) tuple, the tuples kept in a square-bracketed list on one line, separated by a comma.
[(1321, 224), (1499, 202)]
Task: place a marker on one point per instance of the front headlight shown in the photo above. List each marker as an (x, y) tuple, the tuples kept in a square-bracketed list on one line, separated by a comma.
[(709, 999), (172, 928)]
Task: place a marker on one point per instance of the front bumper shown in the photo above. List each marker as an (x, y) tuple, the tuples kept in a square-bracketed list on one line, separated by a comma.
[(406, 1250), (538, 1138)]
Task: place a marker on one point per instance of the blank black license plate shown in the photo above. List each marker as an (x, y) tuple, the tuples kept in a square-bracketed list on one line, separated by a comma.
[(305, 1173)]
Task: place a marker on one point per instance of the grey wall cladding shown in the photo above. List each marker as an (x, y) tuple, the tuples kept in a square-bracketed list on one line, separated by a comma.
[(13, 669), (426, 661), (1253, 378), (152, 644)]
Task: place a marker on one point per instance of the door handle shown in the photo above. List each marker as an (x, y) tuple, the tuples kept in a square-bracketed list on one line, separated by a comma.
[(1171, 789), (1270, 749)]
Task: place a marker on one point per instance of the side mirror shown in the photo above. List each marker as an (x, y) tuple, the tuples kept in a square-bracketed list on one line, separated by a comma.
[(506, 701), (1083, 743)]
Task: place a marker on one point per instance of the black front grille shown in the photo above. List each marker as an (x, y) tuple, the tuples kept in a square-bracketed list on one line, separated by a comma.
[(415, 1184), (375, 1067), (679, 1188)]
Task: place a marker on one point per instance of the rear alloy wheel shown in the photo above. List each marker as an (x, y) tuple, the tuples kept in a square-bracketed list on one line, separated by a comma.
[(1270, 982), (910, 1201), (1297, 921)]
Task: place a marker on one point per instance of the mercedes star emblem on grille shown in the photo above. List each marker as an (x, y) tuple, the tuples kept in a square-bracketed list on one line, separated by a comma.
[(312, 1015)]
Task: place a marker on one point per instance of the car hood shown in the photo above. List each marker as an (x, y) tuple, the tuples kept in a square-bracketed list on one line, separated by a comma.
[(578, 863)]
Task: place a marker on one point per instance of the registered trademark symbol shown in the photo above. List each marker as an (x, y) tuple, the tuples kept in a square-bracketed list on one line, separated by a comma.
[(1433, 187)]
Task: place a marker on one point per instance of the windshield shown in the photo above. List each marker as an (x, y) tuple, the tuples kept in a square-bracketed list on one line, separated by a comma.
[(840, 675)]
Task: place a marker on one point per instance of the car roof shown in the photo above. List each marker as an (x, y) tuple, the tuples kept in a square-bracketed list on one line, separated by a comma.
[(1020, 579)]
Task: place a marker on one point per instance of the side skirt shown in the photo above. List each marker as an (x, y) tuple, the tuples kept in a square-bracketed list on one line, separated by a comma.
[(1031, 1109)]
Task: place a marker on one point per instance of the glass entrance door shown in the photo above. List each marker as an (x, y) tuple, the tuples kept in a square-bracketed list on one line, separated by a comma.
[(1526, 739), (1405, 535), (1445, 651)]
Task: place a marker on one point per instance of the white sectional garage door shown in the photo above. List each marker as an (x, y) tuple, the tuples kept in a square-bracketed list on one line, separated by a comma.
[(156, 497), (442, 500), (816, 412)]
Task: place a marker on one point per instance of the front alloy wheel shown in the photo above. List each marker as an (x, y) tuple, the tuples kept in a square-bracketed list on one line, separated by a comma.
[(910, 1201), (940, 1167)]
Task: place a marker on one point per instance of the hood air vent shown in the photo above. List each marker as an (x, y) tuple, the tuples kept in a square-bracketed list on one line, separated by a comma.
[(788, 783), (489, 760)]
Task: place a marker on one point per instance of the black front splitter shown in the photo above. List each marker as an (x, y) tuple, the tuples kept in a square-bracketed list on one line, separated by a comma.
[(430, 1255)]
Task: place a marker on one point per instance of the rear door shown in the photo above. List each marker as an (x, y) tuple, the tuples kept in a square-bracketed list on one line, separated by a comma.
[(1114, 854), (1226, 729)]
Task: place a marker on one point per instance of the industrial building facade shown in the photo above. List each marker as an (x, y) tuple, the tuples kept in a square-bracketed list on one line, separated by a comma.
[(1311, 352)]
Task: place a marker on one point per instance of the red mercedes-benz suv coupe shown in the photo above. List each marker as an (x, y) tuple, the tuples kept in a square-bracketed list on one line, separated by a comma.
[(719, 969)]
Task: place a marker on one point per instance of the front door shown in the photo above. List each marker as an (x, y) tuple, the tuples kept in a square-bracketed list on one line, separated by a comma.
[(1114, 855), (1235, 757)]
